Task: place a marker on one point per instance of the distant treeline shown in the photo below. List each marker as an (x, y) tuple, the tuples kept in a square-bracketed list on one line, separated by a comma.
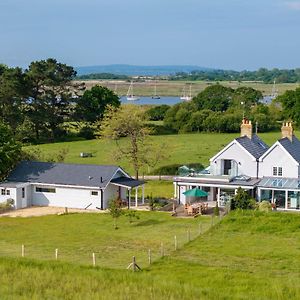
[(102, 76), (263, 75)]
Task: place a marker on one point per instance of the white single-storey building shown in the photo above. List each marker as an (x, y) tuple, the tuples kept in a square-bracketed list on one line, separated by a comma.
[(68, 185)]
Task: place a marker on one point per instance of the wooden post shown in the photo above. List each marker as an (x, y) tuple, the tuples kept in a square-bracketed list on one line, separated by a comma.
[(66, 210), (162, 252), (175, 242), (149, 256), (200, 228), (188, 234), (94, 259), (56, 254), (23, 251)]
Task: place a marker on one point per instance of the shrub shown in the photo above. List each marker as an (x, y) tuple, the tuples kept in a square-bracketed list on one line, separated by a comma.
[(265, 206), (242, 200), (87, 133)]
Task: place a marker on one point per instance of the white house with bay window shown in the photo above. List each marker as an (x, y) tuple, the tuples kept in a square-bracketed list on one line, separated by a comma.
[(268, 173), (69, 185)]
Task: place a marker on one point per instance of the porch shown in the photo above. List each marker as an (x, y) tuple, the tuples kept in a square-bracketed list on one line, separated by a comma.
[(132, 187), (219, 188)]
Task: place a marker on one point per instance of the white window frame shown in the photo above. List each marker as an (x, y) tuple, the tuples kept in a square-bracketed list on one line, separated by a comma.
[(280, 171), (43, 190), (94, 193), (275, 171)]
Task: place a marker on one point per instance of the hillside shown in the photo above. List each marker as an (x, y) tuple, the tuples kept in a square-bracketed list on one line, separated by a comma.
[(249, 255)]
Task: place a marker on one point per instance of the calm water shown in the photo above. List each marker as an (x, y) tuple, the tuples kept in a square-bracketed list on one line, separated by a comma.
[(149, 100)]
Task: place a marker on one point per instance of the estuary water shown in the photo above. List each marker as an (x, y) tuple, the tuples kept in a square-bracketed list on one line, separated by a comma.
[(149, 101)]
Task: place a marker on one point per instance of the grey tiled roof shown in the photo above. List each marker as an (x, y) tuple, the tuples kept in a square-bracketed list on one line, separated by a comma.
[(293, 147), (254, 146), (65, 174), (129, 182)]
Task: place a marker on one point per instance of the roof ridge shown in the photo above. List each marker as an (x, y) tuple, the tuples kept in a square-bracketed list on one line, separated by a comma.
[(72, 164)]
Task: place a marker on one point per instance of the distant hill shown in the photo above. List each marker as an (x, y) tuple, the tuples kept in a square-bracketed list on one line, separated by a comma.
[(131, 70)]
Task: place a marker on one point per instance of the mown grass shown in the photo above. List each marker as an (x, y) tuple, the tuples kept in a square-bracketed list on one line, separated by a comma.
[(180, 148), (249, 255), (77, 236)]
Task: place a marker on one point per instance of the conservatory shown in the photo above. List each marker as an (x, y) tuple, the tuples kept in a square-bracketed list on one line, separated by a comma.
[(283, 193)]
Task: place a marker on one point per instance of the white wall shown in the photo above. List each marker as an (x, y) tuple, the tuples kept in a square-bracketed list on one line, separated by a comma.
[(110, 193), (278, 157), (246, 163), (67, 197)]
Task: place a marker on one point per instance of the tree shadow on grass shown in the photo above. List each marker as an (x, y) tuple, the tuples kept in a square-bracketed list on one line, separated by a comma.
[(149, 222)]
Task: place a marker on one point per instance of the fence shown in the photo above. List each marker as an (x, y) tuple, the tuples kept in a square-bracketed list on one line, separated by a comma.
[(105, 257)]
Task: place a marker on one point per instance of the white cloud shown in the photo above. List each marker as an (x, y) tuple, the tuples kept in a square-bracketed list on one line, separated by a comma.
[(293, 5)]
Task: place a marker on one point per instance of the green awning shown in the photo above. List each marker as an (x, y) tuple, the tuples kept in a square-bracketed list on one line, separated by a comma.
[(195, 192)]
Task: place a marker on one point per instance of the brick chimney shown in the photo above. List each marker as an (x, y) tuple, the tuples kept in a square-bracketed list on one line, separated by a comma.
[(246, 128), (287, 130)]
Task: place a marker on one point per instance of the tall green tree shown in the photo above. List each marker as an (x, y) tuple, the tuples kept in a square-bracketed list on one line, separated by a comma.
[(51, 93), (13, 91), (91, 106), (290, 102), (10, 151), (215, 97), (129, 121)]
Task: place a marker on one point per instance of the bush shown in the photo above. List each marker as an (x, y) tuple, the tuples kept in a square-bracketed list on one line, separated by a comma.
[(87, 133), (242, 200), (173, 169), (216, 210), (157, 113), (265, 206)]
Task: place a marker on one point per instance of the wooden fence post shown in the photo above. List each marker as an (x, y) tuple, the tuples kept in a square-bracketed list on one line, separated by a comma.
[(175, 242), (23, 251), (162, 252), (200, 228), (56, 253), (94, 259), (188, 235), (149, 256)]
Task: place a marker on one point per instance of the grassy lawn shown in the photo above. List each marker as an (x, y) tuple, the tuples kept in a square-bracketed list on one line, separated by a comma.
[(77, 236), (182, 148), (159, 188), (248, 255)]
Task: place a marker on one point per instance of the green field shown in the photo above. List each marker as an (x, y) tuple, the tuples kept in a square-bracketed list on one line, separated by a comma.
[(181, 149), (77, 236), (174, 88), (249, 255)]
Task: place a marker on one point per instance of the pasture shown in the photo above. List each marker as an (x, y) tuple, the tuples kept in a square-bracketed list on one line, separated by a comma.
[(180, 149), (174, 88), (249, 255)]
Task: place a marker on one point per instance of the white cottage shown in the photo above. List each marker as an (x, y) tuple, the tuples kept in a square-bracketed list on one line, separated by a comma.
[(268, 173), (68, 185)]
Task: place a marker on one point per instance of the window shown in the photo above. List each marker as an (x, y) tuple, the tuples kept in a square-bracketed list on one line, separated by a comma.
[(2, 191), (94, 193), (227, 166), (23, 192), (45, 190), (7, 192), (277, 171)]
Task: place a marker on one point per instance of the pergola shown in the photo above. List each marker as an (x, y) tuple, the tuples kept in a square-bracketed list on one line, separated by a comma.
[(131, 184)]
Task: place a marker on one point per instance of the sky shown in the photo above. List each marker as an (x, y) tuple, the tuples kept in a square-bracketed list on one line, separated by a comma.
[(225, 34)]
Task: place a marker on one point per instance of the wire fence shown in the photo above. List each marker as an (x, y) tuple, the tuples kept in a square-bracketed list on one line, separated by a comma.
[(110, 256)]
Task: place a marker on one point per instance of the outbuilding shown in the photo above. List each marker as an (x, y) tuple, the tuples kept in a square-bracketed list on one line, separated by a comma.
[(82, 186)]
